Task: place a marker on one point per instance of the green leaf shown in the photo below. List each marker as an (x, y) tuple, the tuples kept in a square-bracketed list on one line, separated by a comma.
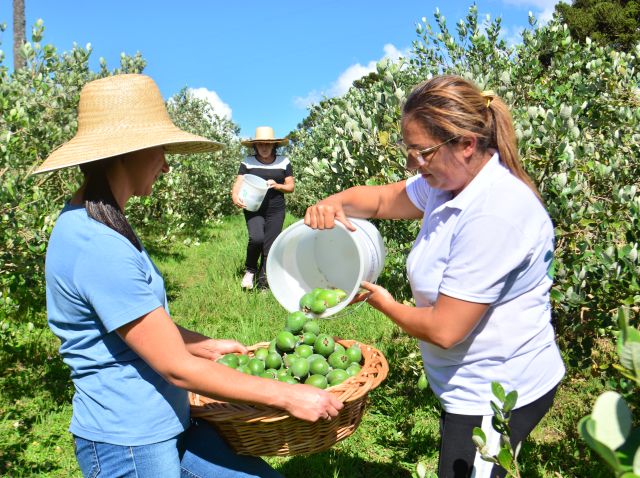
[(498, 391), (612, 419), (505, 459), (510, 401), (586, 429), (479, 437)]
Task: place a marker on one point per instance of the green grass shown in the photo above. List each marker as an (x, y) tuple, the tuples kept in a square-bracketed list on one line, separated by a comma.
[(399, 429)]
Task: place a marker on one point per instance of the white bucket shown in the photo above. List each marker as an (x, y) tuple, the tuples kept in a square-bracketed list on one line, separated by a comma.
[(253, 191), (302, 259)]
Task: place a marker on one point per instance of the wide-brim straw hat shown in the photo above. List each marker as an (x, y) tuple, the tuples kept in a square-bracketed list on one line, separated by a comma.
[(264, 134), (121, 114)]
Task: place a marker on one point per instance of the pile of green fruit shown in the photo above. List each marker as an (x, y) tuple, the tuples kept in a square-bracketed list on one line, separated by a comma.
[(319, 300), (301, 354)]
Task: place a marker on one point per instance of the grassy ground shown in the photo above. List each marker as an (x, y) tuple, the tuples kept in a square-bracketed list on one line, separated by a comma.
[(398, 431)]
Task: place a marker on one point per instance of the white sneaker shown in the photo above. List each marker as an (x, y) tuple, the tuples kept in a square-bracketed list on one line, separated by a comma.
[(247, 280)]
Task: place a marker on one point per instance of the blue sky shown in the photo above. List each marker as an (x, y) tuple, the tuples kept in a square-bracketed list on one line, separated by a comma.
[(259, 63)]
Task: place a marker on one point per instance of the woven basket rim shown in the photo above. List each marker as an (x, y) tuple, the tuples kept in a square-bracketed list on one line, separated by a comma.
[(372, 374)]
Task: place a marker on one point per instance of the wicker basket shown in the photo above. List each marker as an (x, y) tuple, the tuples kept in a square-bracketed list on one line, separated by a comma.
[(265, 431)]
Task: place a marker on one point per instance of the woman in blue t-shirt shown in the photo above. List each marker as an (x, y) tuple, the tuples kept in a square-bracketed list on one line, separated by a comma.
[(131, 365), (265, 224)]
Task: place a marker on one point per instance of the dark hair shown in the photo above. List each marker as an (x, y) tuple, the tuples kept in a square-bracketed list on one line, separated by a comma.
[(448, 106), (100, 203)]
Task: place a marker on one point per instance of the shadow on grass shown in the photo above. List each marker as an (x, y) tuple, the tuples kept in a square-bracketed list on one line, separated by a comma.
[(162, 251), (332, 463)]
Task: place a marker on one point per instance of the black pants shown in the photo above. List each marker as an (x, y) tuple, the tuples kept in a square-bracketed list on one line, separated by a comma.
[(263, 226), (457, 451)]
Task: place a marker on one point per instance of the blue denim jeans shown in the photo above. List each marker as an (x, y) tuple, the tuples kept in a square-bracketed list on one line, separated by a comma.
[(199, 452)]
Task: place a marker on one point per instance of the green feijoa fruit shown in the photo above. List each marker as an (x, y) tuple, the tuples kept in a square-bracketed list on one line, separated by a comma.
[(270, 373), (318, 306), (273, 360), (422, 382), (244, 369), (354, 353), (317, 292), (306, 300), (314, 356), (353, 369), (341, 294), (329, 296), (337, 376), (319, 366), (319, 381), (256, 366), (230, 360), (243, 359), (309, 338), (304, 350), (261, 353), (339, 360), (339, 348), (300, 368), (312, 326), (290, 358), (295, 322), (283, 372), (285, 341), (289, 379), (272, 346), (324, 345)]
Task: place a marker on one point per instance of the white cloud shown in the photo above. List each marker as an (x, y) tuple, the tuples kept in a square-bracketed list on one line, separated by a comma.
[(220, 108), (347, 77), (544, 8)]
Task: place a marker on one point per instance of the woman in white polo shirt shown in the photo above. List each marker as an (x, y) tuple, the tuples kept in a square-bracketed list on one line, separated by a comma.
[(478, 270)]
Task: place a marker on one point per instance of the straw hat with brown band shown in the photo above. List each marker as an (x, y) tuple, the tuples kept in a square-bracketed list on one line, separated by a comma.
[(121, 114), (264, 134)]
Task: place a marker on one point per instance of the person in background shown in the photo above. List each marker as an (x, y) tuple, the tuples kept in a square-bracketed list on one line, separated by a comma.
[(131, 365), (266, 223), (478, 269)]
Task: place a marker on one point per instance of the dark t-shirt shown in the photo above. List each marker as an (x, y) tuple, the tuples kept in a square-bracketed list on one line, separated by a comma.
[(278, 170)]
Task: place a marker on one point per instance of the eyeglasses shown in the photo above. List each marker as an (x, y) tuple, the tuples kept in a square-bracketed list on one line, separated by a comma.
[(416, 158)]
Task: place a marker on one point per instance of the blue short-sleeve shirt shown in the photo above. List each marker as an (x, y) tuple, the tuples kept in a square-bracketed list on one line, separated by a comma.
[(97, 281)]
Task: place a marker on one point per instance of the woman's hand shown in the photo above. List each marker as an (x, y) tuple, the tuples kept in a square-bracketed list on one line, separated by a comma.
[(323, 215), (311, 404), (377, 296), (237, 201), (212, 349), (271, 184)]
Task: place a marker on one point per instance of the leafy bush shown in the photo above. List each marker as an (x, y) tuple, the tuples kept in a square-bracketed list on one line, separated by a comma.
[(37, 113), (576, 109)]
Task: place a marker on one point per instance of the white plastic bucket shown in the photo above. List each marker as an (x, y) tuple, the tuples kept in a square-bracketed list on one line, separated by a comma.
[(302, 259), (253, 191)]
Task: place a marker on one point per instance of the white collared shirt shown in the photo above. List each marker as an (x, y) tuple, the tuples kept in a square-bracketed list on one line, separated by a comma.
[(491, 244)]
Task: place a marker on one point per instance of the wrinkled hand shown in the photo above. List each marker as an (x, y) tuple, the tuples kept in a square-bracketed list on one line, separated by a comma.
[(323, 215), (374, 294), (212, 349), (312, 404)]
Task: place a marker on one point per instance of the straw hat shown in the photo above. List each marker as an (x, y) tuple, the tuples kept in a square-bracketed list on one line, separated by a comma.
[(120, 114), (264, 134)]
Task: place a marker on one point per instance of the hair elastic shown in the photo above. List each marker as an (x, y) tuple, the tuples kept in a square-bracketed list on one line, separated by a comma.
[(489, 95)]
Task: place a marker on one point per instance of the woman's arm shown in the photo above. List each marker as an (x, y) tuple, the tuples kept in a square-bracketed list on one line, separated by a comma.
[(158, 341), (287, 187), (208, 348), (445, 324), (235, 191), (389, 201)]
